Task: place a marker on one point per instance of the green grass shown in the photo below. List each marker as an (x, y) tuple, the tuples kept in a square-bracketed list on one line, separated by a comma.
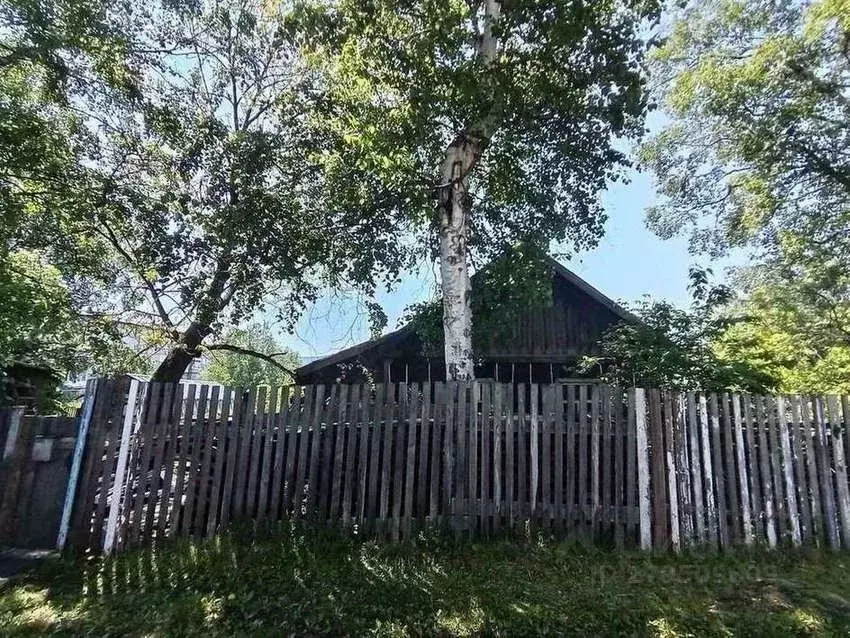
[(289, 584)]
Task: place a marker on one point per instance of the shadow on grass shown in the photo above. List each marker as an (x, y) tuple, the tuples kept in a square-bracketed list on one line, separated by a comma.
[(291, 583)]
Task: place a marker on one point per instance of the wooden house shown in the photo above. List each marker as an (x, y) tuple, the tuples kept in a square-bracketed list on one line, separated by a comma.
[(543, 344)]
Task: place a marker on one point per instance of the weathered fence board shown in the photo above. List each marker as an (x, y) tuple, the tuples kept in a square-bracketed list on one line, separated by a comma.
[(646, 468)]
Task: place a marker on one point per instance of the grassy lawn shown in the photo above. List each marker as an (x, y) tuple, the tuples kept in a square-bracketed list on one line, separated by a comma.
[(287, 584)]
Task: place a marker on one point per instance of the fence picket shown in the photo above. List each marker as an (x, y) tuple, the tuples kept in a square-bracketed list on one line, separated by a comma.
[(756, 503), (663, 469), (546, 457), (708, 473), (258, 432), (534, 458), (631, 469), (162, 425), (842, 490), (658, 471), (474, 445), (522, 456), (559, 511), (170, 458), (311, 498), (788, 465), (294, 435), (581, 412), (410, 460), (764, 470), (221, 436), (621, 516), (798, 453), (718, 473), (386, 458), (145, 446), (570, 447), (246, 436), (638, 404), (672, 473), (510, 457), (779, 491), (363, 452), (372, 506), (194, 469), (181, 458), (206, 464), (825, 476), (109, 446), (304, 416), (350, 416), (595, 465), (400, 450), (683, 475), (812, 490), (279, 461), (497, 455), (485, 429), (733, 511), (265, 469), (696, 460), (436, 450), (424, 447), (342, 431)]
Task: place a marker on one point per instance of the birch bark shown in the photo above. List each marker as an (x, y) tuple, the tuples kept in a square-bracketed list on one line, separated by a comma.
[(460, 159)]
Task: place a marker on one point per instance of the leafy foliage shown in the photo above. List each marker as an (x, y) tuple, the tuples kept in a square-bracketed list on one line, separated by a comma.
[(248, 371), (35, 321), (196, 177), (757, 149), (790, 334), (769, 337), (476, 124), (41, 325), (674, 348), (756, 156), (402, 80)]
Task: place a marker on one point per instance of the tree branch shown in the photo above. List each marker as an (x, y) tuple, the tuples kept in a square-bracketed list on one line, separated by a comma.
[(251, 353), (132, 263)]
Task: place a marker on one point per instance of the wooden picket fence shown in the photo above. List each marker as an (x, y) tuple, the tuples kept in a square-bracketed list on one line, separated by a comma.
[(631, 468)]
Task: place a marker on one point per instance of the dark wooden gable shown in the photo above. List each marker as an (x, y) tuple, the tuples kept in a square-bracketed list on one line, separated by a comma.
[(569, 327), (560, 332)]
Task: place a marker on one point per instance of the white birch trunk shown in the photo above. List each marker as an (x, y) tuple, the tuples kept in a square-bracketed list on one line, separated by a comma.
[(461, 156), (454, 267)]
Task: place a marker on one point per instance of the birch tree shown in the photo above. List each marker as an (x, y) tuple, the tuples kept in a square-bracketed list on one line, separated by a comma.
[(504, 112)]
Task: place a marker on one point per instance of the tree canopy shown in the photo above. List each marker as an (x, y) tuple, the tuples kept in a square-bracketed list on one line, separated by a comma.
[(479, 123), (756, 152), (755, 157), (195, 182)]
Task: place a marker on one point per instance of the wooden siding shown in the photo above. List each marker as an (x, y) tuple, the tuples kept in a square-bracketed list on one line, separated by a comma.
[(546, 341), (569, 327)]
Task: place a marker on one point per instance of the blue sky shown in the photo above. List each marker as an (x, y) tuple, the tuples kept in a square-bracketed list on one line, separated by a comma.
[(629, 262)]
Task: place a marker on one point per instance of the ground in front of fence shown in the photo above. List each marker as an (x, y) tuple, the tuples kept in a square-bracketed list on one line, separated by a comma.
[(290, 584)]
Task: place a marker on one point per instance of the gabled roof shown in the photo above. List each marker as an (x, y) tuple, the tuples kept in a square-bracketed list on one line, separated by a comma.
[(355, 350), (558, 270), (567, 274)]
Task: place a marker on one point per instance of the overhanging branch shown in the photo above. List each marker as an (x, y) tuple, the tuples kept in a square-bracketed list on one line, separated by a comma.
[(251, 353)]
